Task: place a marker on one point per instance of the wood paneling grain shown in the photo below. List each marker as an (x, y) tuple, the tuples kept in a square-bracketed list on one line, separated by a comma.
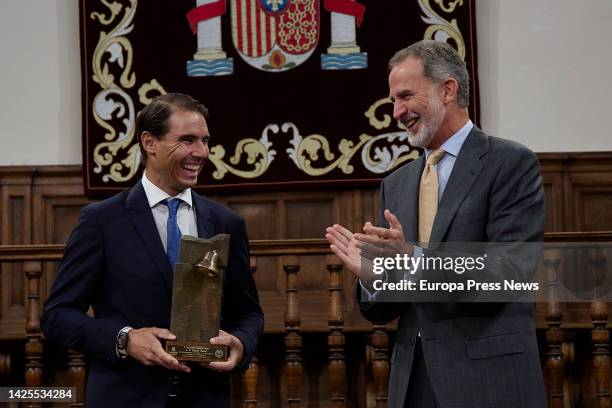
[(41, 205)]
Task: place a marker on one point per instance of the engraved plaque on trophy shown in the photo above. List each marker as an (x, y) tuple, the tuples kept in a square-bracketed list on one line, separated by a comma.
[(196, 299)]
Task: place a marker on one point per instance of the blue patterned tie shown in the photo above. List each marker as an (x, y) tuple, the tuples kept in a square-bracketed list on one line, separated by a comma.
[(174, 233)]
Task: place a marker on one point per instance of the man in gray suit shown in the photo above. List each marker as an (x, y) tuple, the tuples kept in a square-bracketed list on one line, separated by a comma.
[(466, 187)]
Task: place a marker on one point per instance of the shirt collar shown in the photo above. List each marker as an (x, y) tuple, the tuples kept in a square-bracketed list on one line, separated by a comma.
[(156, 195), (453, 144)]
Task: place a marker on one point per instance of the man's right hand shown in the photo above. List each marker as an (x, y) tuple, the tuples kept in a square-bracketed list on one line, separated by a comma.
[(145, 346), (347, 248)]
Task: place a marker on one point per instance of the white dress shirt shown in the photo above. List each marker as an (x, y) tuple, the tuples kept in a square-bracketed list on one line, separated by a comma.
[(186, 217)]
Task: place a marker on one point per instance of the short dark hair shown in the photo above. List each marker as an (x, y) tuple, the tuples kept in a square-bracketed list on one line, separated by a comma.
[(440, 62), (155, 117)]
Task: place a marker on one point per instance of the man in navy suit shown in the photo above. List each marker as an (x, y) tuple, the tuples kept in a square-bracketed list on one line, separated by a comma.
[(117, 262)]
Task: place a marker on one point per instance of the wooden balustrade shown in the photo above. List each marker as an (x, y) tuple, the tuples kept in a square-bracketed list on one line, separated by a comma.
[(343, 321), (380, 363), (249, 380), (600, 335), (293, 339), (5, 364), (551, 259), (568, 348), (249, 384), (336, 339), (33, 346), (77, 375)]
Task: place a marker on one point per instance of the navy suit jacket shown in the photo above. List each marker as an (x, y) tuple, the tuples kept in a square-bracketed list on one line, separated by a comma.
[(115, 262)]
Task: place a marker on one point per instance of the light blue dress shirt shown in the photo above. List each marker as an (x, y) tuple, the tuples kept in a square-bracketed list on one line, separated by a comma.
[(451, 146)]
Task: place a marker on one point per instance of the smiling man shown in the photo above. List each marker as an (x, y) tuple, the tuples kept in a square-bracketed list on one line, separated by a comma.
[(118, 261), (466, 187)]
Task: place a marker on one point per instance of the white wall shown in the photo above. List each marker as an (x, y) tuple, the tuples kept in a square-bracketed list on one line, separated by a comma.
[(40, 85), (545, 71)]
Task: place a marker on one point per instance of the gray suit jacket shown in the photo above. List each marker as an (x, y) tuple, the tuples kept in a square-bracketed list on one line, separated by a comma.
[(477, 354)]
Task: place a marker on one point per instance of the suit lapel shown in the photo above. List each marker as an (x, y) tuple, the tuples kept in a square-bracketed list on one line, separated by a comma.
[(465, 172), (144, 224), (204, 217)]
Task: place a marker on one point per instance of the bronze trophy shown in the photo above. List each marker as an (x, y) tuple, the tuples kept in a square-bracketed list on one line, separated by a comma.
[(196, 299)]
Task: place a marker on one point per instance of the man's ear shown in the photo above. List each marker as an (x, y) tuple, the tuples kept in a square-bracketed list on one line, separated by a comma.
[(450, 88), (149, 142)]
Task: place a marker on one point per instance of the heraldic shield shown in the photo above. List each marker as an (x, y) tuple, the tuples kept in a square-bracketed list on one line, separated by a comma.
[(275, 35)]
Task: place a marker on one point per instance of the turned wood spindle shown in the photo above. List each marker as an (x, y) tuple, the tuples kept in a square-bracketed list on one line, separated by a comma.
[(76, 374), (555, 364), (249, 382), (336, 339), (293, 339), (380, 363), (249, 379), (5, 364), (600, 335), (33, 346), (568, 348)]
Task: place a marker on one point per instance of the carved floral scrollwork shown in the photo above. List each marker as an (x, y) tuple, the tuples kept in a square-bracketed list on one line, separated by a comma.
[(451, 6), (114, 9), (146, 89), (387, 158), (439, 28), (305, 151), (258, 154), (379, 154), (113, 106)]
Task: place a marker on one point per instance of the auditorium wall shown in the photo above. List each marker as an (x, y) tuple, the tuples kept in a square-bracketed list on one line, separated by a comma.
[(542, 65)]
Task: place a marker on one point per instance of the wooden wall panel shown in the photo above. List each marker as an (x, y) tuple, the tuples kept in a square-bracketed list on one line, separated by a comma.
[(586, 189), (41, 205), (592, 202), (57, 199), (308, 219), (553, 188), (16, 228), (261, 218)]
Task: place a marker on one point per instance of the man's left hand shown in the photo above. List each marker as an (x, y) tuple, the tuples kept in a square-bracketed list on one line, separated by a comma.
[(384, 241), (236, 352)]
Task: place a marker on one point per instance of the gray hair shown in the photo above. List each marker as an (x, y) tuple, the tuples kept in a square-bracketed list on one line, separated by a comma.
[(440, 62)]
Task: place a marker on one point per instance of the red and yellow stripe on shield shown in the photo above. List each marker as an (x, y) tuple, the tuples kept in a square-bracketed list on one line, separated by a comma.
[(253, 31)]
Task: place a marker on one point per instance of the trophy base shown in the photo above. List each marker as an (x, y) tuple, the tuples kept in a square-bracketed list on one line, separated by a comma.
[(196, 351)]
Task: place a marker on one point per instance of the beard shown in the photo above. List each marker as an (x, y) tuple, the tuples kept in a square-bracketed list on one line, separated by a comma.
[(430, 122)]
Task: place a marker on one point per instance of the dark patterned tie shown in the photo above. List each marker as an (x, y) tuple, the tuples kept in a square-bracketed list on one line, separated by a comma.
[(173, 231)]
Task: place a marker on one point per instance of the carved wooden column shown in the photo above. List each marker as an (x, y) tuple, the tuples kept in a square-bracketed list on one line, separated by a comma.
[(600, 336), (293, 339), (76, 374), (5, 364), (380, 363), (336, 340), (249, 379), (569, 358), (33, 346), (555, 365)]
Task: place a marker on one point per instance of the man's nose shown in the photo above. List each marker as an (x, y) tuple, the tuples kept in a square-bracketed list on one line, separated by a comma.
[(200, 150), (398, 110)]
